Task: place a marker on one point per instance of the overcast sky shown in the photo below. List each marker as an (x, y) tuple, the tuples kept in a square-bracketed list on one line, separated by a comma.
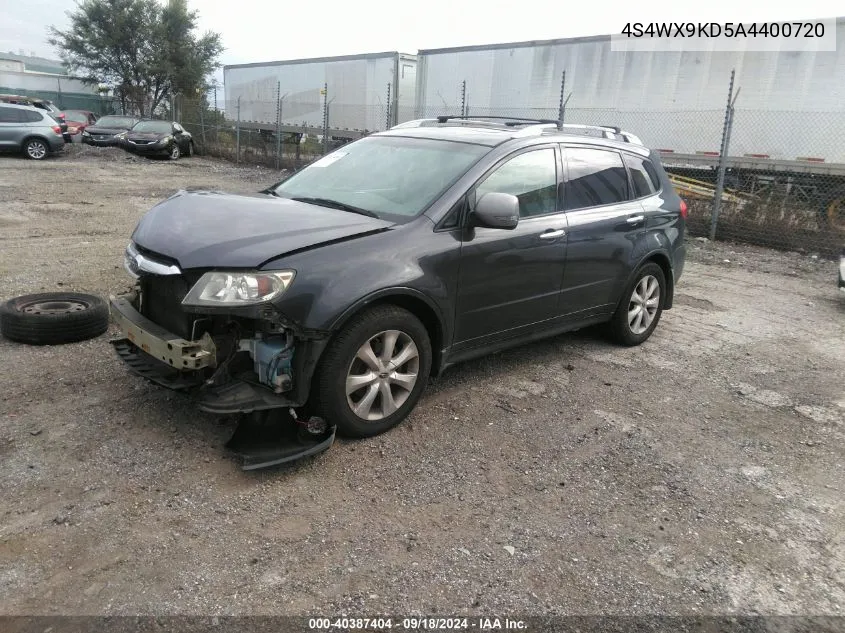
[(262, 30)]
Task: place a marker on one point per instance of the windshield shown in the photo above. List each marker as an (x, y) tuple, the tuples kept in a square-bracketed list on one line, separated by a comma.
[(75, 115), (158, 127), (385, 175), (116, 121)]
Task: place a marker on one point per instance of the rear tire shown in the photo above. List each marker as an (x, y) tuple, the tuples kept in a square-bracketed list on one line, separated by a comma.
[(52, 318), (373, 372), (35, 149), (641, 306)]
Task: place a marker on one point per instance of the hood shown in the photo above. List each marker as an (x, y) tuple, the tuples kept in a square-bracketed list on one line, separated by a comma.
[(97, 129), (206, 229), (147, 136)]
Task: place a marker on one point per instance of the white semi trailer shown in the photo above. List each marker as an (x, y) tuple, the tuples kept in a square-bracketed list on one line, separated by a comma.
[(366, 92)]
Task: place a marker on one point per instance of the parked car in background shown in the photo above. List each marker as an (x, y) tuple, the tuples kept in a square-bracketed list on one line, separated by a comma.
[(151, 137), (104, 132), (346, 285), (41, 104), (29, 130), (78, 120)]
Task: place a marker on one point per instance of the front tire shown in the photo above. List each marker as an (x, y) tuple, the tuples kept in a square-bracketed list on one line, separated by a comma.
[(641, 306), (36, 149), (373, 372), (175, 152)]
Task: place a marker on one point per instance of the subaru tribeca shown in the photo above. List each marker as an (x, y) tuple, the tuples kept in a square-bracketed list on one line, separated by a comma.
[(341, 289)]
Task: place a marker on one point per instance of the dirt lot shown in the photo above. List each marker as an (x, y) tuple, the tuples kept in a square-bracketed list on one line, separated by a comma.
[(699, 473)]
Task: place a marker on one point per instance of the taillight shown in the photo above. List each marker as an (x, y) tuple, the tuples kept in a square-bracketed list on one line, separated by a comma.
[(684, 210), (57, 129)]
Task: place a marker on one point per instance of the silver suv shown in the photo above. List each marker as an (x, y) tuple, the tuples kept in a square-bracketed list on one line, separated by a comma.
[(29, 130)]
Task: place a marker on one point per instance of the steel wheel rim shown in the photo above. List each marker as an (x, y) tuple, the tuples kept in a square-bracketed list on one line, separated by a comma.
[(642, 307), (53, 307), (36, 150), (382, 375)]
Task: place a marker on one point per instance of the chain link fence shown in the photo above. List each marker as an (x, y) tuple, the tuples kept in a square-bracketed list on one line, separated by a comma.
[(769, 178)]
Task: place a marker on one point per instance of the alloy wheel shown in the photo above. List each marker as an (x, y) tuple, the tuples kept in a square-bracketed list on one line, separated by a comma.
[(382, 375), (643, 305), (36, 150)]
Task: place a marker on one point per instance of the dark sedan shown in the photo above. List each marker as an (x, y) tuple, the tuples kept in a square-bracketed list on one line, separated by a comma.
[(106, 130), (158, 138)]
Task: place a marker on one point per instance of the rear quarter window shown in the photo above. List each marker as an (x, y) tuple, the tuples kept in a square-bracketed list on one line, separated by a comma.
[(32, 117), (643, 176)]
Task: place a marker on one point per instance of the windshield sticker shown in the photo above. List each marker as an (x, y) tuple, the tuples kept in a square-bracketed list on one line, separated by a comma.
[(325, 161)]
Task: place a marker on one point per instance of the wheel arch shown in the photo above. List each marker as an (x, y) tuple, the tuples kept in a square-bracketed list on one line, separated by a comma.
[(661, 258), (415, 302), (35, 136)]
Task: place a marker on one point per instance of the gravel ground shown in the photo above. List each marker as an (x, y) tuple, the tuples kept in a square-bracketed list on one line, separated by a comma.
[(701, 473)]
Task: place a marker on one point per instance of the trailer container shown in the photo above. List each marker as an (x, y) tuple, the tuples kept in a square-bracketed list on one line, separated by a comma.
[(363, 92)]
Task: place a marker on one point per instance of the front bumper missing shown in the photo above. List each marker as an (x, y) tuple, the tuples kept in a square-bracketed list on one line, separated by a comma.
[(161, 344), (263, 437)]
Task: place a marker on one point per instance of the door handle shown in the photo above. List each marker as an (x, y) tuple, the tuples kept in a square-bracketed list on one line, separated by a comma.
[(552, 234), (635, 219)]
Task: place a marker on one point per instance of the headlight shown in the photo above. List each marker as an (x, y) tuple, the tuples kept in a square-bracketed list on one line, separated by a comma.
[(86, 133), (166, 139), (234, 289)]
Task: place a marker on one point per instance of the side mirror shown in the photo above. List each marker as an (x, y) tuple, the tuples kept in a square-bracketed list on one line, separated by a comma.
[(497, 211)]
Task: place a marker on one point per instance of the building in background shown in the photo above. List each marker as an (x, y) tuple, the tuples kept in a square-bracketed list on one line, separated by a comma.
[(33, 76)]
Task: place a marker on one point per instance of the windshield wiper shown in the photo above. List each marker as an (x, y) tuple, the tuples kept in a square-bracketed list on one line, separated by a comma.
[(335, 204)]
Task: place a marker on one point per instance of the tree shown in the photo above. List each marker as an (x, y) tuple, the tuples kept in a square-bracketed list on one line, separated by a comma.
[(149, 51)]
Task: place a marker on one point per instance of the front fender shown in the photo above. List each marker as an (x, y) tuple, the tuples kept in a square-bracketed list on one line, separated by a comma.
[(385, 293)]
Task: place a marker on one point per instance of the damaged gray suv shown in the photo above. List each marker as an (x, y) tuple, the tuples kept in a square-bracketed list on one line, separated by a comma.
[(338, 292)]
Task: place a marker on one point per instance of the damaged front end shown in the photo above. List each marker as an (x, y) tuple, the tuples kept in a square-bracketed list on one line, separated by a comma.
[(217, 338)]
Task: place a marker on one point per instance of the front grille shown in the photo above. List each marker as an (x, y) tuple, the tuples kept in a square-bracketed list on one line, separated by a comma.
[(161, 302)]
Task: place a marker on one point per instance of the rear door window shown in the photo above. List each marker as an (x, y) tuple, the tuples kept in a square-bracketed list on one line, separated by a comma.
[(595, 177), (643, 176)]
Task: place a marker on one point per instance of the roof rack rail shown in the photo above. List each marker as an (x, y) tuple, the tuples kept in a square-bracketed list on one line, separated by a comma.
[(612, 132), (510, 121), (532, 126)]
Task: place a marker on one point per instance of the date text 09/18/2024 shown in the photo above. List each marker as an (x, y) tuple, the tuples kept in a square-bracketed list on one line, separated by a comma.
[(418, 624)]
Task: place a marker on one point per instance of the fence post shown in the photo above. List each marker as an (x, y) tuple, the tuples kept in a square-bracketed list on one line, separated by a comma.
[(464, 97), (387, 120), (202, 120), (325, 117), (562, 107), (278, 120), (723, 158), (238, 134)]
